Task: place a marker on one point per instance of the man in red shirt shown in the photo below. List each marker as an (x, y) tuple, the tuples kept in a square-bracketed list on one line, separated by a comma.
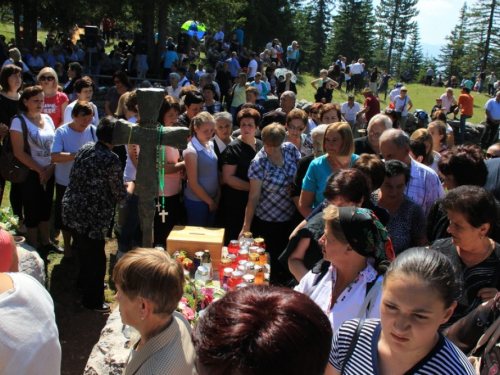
[(372, 105), (106, 27), (466, 105)]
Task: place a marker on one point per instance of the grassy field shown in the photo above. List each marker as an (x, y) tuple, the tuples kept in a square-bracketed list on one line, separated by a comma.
[(422, 97)]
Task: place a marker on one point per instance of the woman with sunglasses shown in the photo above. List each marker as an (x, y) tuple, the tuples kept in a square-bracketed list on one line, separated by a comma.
[(122, 85), (55, 102), (296, 124)]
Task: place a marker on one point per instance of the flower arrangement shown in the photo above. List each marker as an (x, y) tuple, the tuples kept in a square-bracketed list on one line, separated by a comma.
[(8, 221), (197, 294)]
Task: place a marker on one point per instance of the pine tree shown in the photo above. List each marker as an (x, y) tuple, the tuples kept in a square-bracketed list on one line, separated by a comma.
[(453, 54), (412, 58), (352, 31), (319, 29), (484, 18), (396, 17)]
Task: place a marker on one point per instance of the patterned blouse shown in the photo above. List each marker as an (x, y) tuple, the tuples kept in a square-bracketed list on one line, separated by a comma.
[(275, 203), (95, 186)]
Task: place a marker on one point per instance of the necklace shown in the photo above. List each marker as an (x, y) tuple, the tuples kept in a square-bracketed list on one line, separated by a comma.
[(486, 255), (337, 163), (161, 176)]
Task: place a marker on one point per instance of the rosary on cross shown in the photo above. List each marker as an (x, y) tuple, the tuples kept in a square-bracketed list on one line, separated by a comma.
[(161, 177)]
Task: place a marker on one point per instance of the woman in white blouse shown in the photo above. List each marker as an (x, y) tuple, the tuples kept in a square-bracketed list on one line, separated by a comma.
[(355, 243)]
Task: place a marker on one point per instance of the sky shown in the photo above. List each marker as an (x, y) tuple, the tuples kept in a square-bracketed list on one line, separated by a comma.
[(436, 20)]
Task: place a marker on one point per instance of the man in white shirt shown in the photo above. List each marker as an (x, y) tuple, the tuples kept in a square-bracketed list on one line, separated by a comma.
[(424, 186), (252, 67), (492, 112), (395, 92), (429, 76), (449, 101), (356, 70), (219, 35), (349, 110)]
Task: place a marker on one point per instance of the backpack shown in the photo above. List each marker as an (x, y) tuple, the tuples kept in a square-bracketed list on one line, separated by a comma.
[(422, 118)]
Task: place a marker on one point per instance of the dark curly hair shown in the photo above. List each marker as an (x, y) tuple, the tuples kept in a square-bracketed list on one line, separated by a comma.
[(466, 165), (474, 202)]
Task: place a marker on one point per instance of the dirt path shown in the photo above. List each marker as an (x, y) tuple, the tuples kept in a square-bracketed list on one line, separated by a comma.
[(79, 328)]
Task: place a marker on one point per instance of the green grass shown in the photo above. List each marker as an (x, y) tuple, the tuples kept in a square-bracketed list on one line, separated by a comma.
[(422, 97)]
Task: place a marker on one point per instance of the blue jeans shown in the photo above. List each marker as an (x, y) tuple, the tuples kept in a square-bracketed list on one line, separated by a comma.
[(463, 119), (198, 213)]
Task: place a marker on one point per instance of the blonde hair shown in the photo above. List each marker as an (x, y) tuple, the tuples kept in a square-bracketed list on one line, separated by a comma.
[(441, 127), (332, 221), (200, 119), (424, 136), (121, 107), (344, 129), (273, 134), (52, 72), (153, 275)]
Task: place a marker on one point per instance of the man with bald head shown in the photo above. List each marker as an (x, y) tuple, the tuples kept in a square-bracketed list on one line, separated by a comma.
[(424, 186), (369, 144)]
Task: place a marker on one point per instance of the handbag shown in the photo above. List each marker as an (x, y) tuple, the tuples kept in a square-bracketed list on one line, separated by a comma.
[(11, 168)]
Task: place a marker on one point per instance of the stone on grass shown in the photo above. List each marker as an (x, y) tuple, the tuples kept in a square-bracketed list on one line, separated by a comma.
[(109, 356), (30, 262)]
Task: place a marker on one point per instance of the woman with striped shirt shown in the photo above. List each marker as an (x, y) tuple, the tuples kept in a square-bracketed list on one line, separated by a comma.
[(419, 295)]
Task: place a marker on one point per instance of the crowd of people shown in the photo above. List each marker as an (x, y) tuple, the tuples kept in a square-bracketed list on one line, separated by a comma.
[(387, 239)]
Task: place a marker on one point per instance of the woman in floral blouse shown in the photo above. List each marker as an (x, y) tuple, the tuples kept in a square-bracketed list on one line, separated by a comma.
[(95, 186)]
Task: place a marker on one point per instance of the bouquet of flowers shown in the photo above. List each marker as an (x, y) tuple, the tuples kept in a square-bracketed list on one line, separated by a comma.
[(197, 294), (8, 221)]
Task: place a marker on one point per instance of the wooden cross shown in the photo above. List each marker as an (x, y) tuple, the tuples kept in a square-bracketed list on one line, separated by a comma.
[(146, 135), (163, 213)]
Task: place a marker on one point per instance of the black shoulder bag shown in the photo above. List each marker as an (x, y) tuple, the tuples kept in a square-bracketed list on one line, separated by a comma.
[(11, 168)]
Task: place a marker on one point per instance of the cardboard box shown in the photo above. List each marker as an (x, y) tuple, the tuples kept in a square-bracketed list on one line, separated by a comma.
[(193, 239)]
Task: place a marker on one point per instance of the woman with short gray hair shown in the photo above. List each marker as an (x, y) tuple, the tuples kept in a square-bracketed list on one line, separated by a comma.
[(174, 90)]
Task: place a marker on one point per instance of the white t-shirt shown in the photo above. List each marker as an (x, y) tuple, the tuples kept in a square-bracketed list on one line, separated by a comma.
[(357, 68), (350, 113), (69, 109), (447, 102), (130, 170), (68, 140), (394, 93), (174, 92), (40, 140), (401, 104), (253, 66), (29, 339)]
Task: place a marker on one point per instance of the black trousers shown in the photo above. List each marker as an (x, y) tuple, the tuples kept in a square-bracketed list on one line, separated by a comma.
[(37, 200), (92, 269), (490, 134), (276, 236)]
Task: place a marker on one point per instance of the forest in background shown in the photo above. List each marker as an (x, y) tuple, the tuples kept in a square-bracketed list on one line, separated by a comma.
[(386, 36)]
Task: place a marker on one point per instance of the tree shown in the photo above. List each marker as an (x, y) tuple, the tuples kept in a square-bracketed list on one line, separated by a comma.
[(396, 17), (412, 57), (352, 32), (319, 27), (453, 53), (484, 18), (303, 21)]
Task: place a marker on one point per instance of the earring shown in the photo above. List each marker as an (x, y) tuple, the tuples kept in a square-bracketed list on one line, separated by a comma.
[(142, 318)]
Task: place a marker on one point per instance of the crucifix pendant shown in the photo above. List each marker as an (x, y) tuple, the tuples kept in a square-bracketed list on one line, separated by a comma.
[(158, 205), (163, 213)]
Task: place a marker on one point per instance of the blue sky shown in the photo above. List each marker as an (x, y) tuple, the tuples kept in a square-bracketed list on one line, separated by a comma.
[(436, 20)]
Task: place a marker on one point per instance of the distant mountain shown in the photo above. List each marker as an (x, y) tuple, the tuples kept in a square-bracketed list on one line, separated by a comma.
[(431, 49)]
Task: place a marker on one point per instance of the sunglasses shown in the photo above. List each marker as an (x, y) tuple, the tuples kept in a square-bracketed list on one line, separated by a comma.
[(491, 156), (46, 78)]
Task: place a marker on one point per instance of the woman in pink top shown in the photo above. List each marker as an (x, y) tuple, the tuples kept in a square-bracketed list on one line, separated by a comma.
[(169, 206), (55, 102)]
